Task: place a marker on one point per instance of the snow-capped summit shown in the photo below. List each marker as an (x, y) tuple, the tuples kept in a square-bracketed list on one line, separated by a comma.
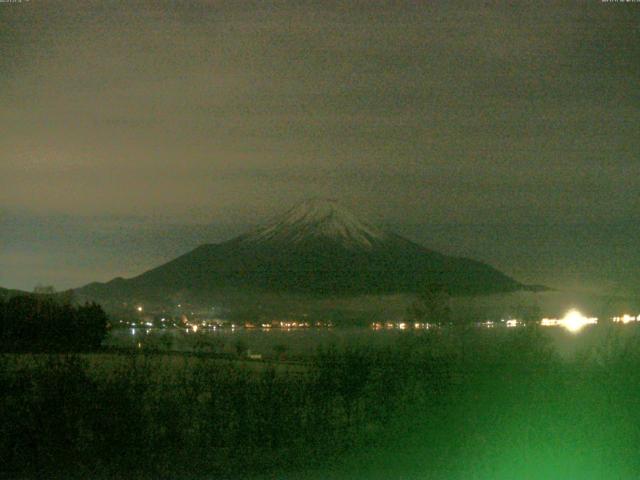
[(318, 247), (319, 219)]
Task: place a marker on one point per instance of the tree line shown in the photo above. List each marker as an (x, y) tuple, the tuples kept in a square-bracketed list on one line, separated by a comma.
[(43, 323), (435, 405)]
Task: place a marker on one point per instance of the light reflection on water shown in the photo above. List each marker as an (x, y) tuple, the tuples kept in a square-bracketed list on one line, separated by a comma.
[(307, 341)]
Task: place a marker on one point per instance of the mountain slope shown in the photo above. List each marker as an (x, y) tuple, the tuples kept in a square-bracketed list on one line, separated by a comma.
[(6, 293), (317, 248)]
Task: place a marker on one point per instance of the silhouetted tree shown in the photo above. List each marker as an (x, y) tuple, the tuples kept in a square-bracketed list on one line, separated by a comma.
[(432, 305), (527, 313), (241, 347), (280, 350), (42, 323), (44, 290)]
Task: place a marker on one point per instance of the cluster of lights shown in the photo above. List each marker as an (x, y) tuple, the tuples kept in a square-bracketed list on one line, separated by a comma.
[(573, 321), (286, 325), (400, 326), (134, 331), (289, 325), (509, 323), (294, 324), (626, 319)]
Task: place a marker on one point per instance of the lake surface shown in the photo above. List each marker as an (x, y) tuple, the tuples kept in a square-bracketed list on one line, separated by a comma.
[(303, 342)]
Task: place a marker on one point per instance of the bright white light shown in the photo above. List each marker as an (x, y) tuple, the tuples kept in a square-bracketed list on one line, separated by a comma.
[(626, 319), (574, 321), (194, 328), (139, 309), (512, 323)]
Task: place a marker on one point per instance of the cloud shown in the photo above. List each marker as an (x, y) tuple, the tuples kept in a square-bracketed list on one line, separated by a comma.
[(231, 111)]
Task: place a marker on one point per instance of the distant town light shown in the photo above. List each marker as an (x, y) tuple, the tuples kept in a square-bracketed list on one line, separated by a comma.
[(139, 308), (626, 318), (550, 322)]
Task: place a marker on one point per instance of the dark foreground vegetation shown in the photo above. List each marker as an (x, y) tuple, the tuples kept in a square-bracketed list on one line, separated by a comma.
[(439, 405), (49, 323)]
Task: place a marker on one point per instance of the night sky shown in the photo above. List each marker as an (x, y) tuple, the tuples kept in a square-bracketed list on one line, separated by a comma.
[(131, 132)]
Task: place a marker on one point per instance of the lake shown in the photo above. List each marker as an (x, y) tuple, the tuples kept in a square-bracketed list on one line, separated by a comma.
[(303, 342)]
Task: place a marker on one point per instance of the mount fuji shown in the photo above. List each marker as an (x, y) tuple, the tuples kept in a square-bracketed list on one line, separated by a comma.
[(317, 248)]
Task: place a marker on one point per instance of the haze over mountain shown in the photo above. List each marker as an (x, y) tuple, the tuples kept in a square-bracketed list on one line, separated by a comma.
[(318, 248)]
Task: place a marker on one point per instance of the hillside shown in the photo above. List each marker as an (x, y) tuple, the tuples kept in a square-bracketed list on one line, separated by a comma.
[(317, 248)]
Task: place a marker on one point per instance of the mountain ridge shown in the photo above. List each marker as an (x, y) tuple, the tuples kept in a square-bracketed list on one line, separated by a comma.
[(317, 247)]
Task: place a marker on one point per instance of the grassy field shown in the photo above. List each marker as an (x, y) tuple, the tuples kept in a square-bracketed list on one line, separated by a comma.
[(99, 365), (454, 407)]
